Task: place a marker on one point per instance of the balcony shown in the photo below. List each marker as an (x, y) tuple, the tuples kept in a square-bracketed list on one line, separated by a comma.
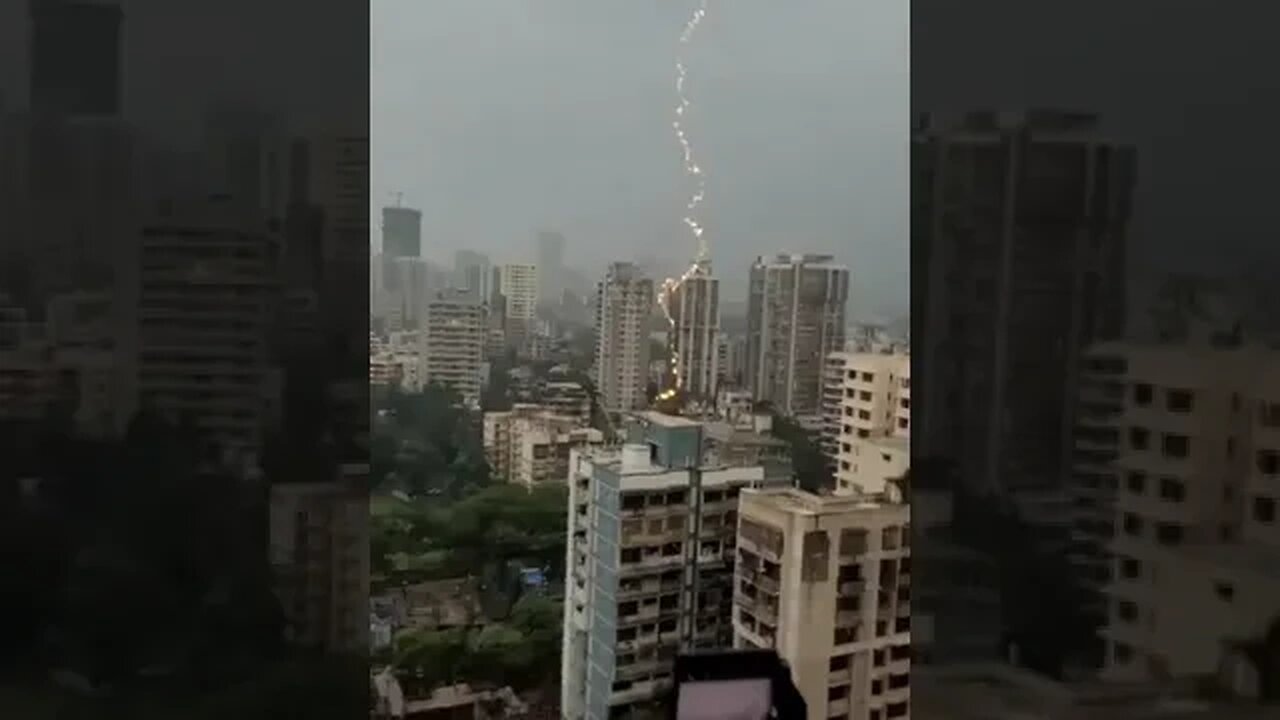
[(852, 588), (848, 618)]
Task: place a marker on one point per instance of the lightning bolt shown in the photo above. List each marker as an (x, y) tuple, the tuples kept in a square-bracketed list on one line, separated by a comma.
[(691, 168)]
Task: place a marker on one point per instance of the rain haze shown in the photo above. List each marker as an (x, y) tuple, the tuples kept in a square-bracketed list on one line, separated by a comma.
[(498, 119)]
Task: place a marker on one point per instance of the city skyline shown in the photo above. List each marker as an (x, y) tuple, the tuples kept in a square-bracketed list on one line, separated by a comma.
[(602, 168)]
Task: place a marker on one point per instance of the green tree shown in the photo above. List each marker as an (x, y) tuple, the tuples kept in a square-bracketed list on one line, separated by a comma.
[(811, 466)]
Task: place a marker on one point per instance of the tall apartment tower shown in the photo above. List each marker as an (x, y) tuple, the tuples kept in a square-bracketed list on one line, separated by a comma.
[(453, 343), (795, 318), (203, 311), (75, 57), (825, 581), (518, 283), (1019, 229), (624, 304), (1193, 567), (401, 232), (693, 306), (650, 558), (867, 419)]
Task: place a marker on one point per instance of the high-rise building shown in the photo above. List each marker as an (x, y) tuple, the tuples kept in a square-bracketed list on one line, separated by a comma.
[(795, 318), (530, 445), (1019, 227), (650, 564), (453, 342), (624, 304), (401, 232), (551, 266), (319, 550), (518, 283), (693, 306), (825, 581), (75, 57), (1185, 460), (471, 272), (867, 419), (204, 309)]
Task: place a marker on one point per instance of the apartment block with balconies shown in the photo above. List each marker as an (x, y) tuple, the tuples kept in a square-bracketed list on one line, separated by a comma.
[(825, 581)]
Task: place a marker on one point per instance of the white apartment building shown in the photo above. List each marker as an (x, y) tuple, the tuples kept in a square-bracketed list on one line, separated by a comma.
[(867, 418), (1195, 557), (624, 305), (519, 285), (795, 318), (319, 550), (650, 557), (567, 398), (692, 305), (825, 580), (453, 344), (530, 444)]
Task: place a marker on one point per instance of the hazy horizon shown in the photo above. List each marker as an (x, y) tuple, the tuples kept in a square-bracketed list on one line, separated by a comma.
[(500, 119)]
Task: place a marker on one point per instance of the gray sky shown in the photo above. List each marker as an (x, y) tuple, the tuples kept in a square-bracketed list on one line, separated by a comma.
[(498, 118)]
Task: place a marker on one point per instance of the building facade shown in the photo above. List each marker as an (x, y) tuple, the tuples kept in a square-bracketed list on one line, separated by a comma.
[(453, 344), (1043, 200), (795, 318), (624, 304), (529, 445), (651, 534), (692, 305), (867, 419), (825, 581)]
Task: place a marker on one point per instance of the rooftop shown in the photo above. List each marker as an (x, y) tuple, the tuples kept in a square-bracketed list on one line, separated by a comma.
[(802, 502), (657, 418)]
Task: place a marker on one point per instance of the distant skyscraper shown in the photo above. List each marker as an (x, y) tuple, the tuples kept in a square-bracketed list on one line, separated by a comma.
[(75, 57), (693, 305), (472, 273), (550, 266), (795, 318), (1019, 237), (401, 232), (519, 286), (624, 304)]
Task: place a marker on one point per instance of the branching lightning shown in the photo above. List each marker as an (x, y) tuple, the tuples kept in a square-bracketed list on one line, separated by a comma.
[(694, 171)]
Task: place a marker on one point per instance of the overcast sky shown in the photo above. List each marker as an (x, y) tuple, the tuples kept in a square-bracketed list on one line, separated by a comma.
[(501, 117)]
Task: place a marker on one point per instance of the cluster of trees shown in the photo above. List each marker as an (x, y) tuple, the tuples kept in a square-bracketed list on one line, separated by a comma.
[(492, 526), (516, 652), (426, 443)]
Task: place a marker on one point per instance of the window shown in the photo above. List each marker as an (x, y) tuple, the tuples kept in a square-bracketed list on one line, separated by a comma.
[(1178, 401), (1264, 509), (839, 662), (864, 395), (1122, 653), (1176, 446), (1137, 482), (877, 658), (1269, 462), (1127, 610), (1142, 393), (1130, 569), (1139, 438), (1168, 533), (1172, 489), (896, 710), (1132, 524), (876, 687), (868, 377), (839, 692), (1225, 591)]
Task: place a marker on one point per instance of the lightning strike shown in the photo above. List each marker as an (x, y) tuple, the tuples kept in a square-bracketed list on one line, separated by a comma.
[(694, 171)]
